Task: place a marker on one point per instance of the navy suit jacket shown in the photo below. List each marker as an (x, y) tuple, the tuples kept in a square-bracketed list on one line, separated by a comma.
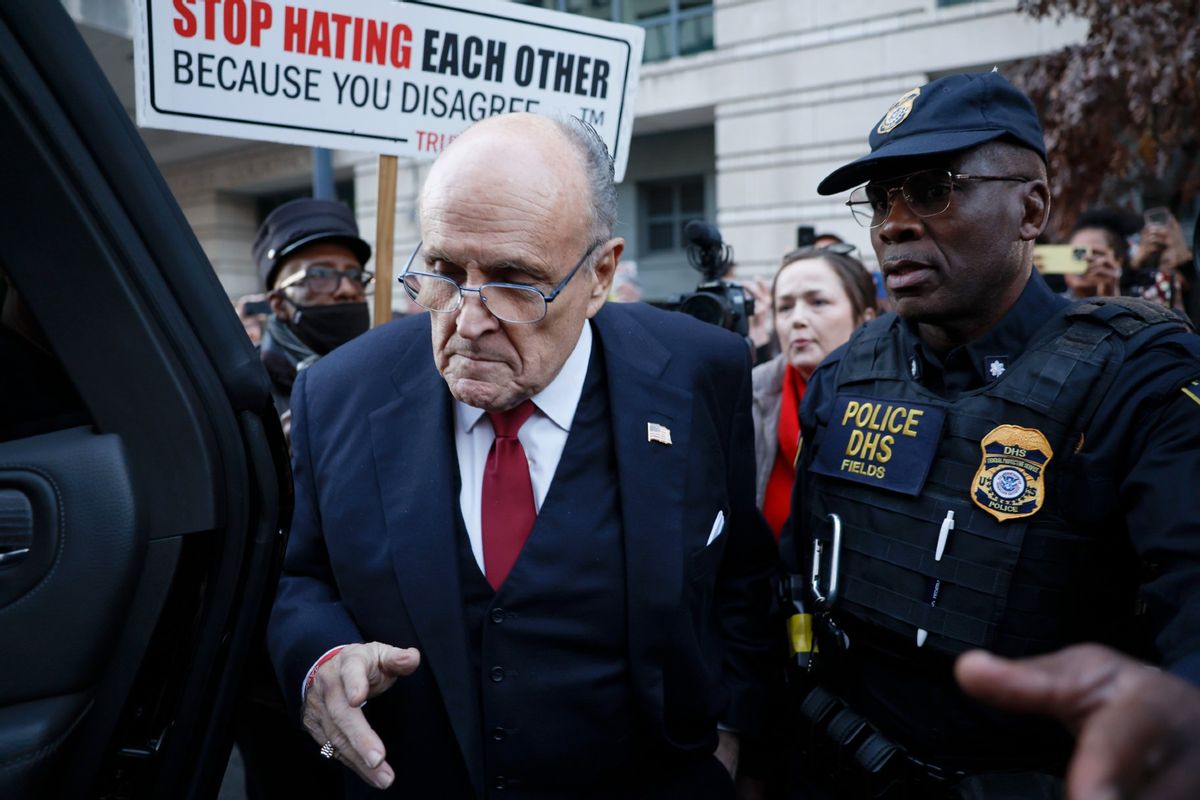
[(373, 553)]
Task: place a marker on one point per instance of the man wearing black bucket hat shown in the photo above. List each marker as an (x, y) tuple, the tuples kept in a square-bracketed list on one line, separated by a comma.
[(311, 261), (992, 468)]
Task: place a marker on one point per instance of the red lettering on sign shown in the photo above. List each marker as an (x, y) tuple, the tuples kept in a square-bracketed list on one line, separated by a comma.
[(260, 20), (401, 52), (239, 20), (340, 21), (295, 20), (318, 38), (185, 23), (347, 37), (432, 142), (210, 19)]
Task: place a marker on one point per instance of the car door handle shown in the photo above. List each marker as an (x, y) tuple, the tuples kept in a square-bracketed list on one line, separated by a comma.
[(16, 526)]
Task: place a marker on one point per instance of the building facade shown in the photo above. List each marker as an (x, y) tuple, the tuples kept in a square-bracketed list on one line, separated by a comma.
[(742, 107)]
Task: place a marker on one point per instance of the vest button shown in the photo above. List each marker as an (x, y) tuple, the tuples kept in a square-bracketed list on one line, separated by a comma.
[(497, 674), (497, 615), (499, 782), (498, 733)]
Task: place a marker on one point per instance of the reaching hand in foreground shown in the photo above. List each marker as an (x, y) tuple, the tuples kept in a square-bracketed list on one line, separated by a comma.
[(333, 704), (1137, 729)]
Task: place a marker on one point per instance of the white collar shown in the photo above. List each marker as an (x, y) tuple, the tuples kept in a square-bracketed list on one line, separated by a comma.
[(559, 399)]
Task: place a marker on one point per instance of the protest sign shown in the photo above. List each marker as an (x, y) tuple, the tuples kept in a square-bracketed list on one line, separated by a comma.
[(399, 79)]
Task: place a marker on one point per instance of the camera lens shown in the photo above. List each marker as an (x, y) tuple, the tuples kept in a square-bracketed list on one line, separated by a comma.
[(704, 307)]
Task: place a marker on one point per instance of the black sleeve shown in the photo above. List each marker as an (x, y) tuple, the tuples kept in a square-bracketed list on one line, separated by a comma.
[(1159, 493)]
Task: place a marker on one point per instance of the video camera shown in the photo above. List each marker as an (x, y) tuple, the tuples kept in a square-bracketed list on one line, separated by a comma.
[(722, 303)]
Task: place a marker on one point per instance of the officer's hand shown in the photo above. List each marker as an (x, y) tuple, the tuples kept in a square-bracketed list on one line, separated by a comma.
[(1137, 729), (333, 704)]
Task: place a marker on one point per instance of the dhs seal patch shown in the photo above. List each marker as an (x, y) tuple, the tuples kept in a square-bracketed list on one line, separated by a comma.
[(1010, 482), (898, 112)]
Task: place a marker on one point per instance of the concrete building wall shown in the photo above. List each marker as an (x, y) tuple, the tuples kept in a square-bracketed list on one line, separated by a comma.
[(788, 94)]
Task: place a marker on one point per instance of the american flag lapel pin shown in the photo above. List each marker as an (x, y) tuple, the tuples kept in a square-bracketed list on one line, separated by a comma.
[(658, 433)]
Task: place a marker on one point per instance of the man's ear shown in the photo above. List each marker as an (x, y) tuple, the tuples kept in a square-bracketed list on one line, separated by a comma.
[(602, 275), (1035, 210)]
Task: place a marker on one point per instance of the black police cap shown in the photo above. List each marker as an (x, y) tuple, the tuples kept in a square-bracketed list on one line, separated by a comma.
[(302, 222), (949, 114)]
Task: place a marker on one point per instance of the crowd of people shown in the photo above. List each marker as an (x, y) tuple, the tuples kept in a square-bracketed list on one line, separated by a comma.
[(546, 545)]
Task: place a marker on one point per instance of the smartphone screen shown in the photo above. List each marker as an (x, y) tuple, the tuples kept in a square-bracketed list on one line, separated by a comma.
[(1157, 216), (1060, 259)]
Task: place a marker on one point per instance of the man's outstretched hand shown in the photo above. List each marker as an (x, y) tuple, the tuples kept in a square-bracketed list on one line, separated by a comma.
[(1137, 729), (333, 704)]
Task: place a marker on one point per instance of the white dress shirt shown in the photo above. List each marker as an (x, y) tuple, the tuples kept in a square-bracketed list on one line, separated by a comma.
[(544, 435)]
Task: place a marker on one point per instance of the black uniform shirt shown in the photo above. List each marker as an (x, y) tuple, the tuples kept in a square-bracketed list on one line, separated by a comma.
[(1145, 433), (981, 361)]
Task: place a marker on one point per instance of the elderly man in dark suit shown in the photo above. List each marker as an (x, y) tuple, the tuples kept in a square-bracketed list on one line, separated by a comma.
[(534, 549)]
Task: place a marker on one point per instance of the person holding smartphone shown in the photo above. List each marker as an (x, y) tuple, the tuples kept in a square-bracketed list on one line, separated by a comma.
[(1097, 234), (1161, 252)]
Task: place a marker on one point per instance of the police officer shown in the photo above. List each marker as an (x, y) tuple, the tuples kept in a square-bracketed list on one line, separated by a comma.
[(311, 260), (994, 467)]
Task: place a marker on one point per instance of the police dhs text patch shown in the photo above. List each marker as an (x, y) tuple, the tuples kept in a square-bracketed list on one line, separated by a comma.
[(885, 444)]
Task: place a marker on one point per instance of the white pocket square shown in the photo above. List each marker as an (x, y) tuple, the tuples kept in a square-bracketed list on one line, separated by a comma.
[(717, 527)]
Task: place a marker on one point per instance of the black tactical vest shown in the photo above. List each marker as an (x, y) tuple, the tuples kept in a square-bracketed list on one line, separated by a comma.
[(1019, 573)]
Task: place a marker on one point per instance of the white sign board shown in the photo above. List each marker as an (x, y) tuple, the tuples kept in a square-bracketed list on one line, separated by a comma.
[(385, 77)]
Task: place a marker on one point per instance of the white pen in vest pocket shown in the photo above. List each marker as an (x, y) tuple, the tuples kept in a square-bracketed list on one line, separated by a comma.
[(943, 535)]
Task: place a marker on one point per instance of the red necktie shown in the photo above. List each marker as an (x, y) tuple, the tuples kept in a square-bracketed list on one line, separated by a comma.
[(508, 510)]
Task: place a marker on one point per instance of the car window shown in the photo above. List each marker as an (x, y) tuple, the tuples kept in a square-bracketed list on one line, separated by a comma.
[(42, 398)]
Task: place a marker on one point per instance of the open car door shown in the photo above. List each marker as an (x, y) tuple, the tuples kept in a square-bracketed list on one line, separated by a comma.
[(140, 522)]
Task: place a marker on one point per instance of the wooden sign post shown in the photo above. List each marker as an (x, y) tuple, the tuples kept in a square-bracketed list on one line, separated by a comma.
[(385, 229)]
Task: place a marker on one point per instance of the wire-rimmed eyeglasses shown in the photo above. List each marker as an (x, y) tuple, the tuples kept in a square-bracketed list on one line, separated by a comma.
[(927, 194), (325, 280), (510, 302)]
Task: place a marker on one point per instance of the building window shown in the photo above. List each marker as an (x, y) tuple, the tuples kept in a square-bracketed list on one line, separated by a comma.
[(666, 207), (673, 27)]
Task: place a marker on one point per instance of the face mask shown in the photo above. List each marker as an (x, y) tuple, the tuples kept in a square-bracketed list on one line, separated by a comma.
[(325, 327)]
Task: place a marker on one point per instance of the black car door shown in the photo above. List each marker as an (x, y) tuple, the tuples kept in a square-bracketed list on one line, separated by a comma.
[(143, 474)]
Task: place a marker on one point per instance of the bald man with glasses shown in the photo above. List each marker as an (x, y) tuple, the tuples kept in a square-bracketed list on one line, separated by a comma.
[(525, 559)]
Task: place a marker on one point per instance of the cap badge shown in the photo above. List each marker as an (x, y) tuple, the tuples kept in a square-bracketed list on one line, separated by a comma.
[(1010, 482), (898, 112)]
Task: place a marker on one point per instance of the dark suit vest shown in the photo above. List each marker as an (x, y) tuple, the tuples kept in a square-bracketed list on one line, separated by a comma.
[(550, 649)]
